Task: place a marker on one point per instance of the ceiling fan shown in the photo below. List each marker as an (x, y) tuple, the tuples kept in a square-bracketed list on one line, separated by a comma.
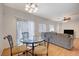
[(67, 18), (63, 19)]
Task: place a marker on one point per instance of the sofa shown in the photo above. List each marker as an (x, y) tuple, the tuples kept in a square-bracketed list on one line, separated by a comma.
[(62, 40)]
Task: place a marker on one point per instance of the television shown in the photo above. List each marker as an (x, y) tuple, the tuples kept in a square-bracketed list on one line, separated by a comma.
[(69, 32)]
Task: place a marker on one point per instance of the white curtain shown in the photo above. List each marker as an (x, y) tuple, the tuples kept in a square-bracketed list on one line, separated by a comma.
[(51, 28), (42, 27), (24, 26)]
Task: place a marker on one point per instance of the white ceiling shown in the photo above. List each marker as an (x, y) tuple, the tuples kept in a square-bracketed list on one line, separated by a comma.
[(52, 11)]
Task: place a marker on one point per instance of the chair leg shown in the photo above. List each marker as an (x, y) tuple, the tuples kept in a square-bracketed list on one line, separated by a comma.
[(11, 51), (23, 52), (47, 47)]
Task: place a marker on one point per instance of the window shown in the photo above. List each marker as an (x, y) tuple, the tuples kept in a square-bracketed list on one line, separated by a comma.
[(24, 26), (51, 28), (42, 27)]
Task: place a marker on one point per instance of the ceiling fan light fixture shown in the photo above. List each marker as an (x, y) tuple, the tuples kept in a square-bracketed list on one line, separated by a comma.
[(30, 11), (31, 7), (36, 9), (26, 9)]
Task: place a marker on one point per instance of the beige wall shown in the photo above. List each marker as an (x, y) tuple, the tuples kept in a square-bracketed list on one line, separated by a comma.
[(1, 40)]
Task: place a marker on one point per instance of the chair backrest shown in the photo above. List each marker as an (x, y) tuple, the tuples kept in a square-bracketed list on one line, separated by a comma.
[(25, 35), (9, 37)]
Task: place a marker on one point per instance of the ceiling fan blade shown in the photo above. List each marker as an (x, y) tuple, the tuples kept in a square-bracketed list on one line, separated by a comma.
[(67, 18)]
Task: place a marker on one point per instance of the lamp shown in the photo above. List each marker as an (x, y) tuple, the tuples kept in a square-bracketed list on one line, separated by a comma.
[(31, 7)]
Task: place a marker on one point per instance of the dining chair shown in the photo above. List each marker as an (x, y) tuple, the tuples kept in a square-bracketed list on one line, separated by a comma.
[(13, 50), (25, 35), (42, 48)]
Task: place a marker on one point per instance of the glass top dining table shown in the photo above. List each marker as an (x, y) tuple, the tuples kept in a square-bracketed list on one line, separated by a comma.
[(32, 42), (29, 41)]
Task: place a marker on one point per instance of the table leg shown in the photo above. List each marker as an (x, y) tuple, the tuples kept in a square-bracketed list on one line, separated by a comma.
[(11, 51), (47, 48), (26, 51), (32, 49)]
